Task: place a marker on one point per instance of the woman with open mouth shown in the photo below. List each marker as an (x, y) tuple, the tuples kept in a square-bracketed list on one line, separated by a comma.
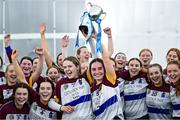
[(106, 101), (26, 62), (38, 100), (146, 56), (39, 108), (135, 84), (18, 108), (6, 90), (173, 54), (52, 73), (72, 97), (173, 72), (121, 61), (158, 94)]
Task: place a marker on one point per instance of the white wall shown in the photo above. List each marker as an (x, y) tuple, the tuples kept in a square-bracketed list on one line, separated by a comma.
[(137, 24)]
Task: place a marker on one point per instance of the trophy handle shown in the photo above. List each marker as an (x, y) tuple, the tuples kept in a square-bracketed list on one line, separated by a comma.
[(89, 6), (103, 15)]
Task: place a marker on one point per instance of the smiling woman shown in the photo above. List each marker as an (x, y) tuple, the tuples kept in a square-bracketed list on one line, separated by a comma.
[(72, 94), (6, 89), (39, 108), (158, 94), (173, 72), (19, 107)]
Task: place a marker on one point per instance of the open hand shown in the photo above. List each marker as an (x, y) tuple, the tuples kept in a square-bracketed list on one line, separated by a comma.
[(42, 28), (7, 39), (65, 41), (39, 51), (67, 109)]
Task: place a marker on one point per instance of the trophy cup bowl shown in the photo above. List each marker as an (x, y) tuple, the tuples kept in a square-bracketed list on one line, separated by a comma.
[(96, 12)]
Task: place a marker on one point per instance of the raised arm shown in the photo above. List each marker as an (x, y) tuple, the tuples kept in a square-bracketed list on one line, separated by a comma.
[(107, 30), (64, 45), (18, 70), (44, 45), (43, 38), (35, 75), (8, 47), (110, 71)]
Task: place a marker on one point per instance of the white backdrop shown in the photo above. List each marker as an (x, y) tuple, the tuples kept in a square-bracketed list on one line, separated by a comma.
[(137, 24)]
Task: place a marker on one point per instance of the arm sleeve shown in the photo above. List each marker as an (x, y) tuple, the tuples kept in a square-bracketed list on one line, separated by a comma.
[(9, 53), (53, 105)]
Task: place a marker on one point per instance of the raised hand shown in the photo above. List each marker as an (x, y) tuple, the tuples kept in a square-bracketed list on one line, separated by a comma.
[(107, 30), (42, 28), (14, 55), (7, 39), (67, 109), (64, 41), (39, 51)]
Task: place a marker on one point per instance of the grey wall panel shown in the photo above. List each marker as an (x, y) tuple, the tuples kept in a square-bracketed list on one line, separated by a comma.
[(25, 16), (27, 47), (1, 48), (68, 14), (1, 26), (1, 16)]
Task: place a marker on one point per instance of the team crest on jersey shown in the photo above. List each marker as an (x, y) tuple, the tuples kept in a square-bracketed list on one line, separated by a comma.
[(80, 81), (65, 86)]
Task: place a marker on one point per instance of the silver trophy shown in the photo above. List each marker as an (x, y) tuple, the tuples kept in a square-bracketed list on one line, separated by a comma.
[(94, 14), (95, 11)]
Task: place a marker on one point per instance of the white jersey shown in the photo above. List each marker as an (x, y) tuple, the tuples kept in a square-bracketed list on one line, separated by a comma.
[(158, 102), (39, 113), (134, 96), (106, 102), (175, 100), (7, 93), (120, 91), (75, 93)]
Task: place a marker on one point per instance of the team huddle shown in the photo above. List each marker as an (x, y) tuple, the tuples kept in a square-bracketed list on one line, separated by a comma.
[(89, 87)]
